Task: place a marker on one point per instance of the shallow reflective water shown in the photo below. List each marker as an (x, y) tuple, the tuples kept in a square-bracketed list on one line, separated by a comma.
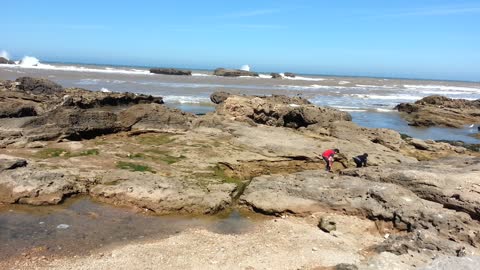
[(81, 225)]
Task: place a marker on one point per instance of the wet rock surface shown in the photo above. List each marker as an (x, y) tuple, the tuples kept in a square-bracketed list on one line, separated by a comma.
[(441, 111), (233, 73), (171, 71)]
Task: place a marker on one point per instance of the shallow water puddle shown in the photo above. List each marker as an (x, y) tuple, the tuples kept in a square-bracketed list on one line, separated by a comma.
[(81, 225)]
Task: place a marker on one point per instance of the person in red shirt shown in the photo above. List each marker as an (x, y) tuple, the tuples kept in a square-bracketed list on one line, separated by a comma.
[(328, 156)]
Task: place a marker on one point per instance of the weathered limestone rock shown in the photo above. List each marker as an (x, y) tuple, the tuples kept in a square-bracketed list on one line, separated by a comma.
[(441, 111), (272, 112)]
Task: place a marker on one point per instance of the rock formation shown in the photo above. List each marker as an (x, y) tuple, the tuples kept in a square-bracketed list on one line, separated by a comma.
[(4, 60), (171, 71), (233, 73), (275, 76), (441, 111)]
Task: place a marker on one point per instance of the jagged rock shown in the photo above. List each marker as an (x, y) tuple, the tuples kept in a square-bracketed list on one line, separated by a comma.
[(86, 99), (4, 60), (453, 183), (327, 224), (289, 74), (10, 163), (39, 86), (279, 111), (71, 123), (275, 76), (16, 109), (233, 73), (154, 116), (351, 131), (441, 111), (219, 97), (171, 71)]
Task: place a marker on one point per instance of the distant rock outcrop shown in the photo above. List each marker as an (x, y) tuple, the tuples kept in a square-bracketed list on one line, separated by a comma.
[(441, 111), (289, 74), (275, 76), (4, 60), (233, 73), (171, 71)]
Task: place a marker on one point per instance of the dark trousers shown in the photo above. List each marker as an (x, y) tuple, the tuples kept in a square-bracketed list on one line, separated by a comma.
[(358, 162), (328, 163)]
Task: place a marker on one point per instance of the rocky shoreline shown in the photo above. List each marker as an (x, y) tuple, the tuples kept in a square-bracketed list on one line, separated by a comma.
[(441, 111), (254, 152)]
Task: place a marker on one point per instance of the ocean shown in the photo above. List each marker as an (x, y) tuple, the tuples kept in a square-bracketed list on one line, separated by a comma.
[(371, 101)]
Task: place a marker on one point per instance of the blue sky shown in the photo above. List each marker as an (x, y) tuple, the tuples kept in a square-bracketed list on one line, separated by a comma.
[(418, 39)]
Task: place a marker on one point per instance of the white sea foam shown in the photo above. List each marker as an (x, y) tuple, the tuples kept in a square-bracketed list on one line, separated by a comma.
[(384, 110), (4, 54), (186, 99), (442, 87), (200, 75), (105, 90), (388, 97), (30, 62), (265, 76), (310, 87), (245, 68), (343, 82), (300, 78)]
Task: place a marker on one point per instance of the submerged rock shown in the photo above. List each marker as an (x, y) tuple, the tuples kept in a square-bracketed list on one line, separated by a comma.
[(441, 111), (171, 71)]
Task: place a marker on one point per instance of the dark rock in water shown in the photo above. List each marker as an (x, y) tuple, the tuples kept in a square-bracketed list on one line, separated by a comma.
[(11, 163), (219, 97), (86, 99), (38, 86), (275, 76), (233, 73), (4, 60), (289, 74), (346, 266), (441, 111), (171, 71)]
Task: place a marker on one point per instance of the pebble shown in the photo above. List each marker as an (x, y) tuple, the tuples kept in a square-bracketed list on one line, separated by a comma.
[(63, 226), (314, 249)]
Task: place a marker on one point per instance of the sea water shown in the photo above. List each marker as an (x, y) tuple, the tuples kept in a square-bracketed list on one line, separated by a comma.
[(371, 101)]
